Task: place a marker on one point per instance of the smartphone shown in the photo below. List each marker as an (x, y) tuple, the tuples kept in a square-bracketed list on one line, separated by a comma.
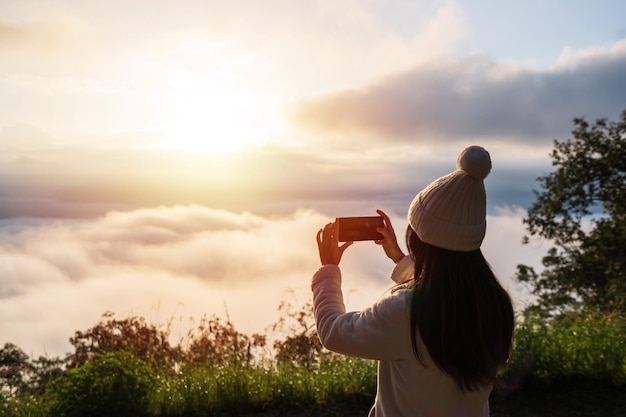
[(359, 228)]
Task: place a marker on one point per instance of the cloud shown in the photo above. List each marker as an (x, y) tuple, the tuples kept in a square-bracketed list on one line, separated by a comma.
[(43, 179), (21, 272), (477, 98), (194, 242), (130, 48), (184, 259), (38, 32)]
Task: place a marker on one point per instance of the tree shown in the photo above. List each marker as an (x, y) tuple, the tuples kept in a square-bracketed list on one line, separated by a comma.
[(301, 346), (131, 334), (14, 365), (582, 211), (21, 376), (218, 343)]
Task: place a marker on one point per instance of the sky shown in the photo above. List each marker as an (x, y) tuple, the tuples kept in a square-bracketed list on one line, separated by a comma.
[(174, 159)]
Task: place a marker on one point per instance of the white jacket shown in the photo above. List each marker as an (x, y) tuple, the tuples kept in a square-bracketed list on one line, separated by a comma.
[(382, 332)]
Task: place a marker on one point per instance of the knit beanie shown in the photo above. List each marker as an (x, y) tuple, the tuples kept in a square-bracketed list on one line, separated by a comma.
[(451, 212)]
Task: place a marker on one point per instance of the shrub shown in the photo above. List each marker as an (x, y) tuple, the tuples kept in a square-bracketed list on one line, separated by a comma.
[(582, 349), (114, 384)]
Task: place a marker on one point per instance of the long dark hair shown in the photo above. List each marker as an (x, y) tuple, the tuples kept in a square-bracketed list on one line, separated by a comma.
[(464, 316)]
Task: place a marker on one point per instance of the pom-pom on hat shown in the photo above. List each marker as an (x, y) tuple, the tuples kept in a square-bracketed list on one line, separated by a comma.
[(451, 212)]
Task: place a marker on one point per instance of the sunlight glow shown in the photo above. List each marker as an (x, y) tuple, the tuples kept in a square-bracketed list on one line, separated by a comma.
[(212, 114)]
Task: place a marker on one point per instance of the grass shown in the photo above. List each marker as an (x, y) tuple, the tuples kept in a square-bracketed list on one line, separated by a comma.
[(572, 366), (203, 390), (587, 350)]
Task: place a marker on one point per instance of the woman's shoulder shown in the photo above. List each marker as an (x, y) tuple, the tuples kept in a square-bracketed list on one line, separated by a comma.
[(403, 288), (397, 297)]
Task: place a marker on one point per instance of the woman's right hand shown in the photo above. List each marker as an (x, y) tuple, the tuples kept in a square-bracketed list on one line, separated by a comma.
[(328, 245), (389, 242)]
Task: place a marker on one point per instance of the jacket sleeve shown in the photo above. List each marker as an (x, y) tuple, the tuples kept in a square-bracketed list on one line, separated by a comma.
[(403, 271), (377, 332)]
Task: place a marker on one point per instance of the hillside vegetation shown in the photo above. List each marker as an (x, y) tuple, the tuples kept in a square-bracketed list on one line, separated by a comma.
[(126, 367)]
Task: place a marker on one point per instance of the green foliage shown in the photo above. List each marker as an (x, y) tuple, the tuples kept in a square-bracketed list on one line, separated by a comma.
[(113, 384), (587, 350), (582, 209), (24, 406), (574, 350)]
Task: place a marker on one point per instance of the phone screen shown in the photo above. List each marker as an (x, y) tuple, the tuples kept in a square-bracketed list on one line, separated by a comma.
[(359, 228)]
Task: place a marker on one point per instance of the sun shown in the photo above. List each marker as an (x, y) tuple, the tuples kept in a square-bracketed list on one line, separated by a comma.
[(213, 116)]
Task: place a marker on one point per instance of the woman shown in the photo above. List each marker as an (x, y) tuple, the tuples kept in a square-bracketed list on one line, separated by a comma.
[(443, 332)]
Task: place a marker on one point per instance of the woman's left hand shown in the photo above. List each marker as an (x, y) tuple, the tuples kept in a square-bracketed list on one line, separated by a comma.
[(328, 245), (389, 242)]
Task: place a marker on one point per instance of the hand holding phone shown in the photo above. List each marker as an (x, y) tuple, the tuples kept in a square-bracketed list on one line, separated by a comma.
[(328, 245)]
